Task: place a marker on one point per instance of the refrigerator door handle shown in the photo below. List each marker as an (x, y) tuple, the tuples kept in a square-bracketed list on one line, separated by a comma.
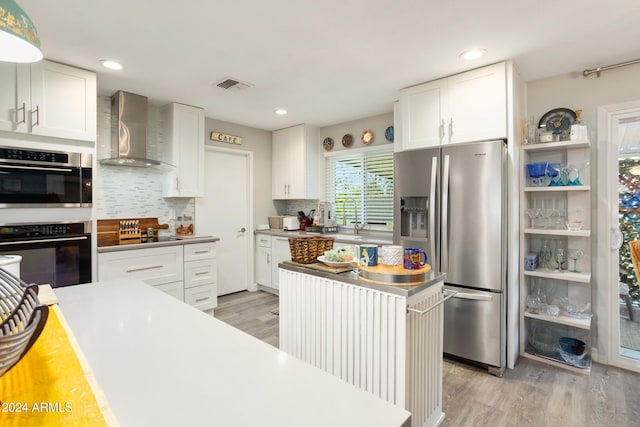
[(444, 255), (476, 297), (432, 209)]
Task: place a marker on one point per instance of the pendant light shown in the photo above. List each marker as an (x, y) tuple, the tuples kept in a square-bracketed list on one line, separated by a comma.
[(19, 40)]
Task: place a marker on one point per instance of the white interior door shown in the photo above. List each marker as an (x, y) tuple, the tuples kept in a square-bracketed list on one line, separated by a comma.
[(225, 212)]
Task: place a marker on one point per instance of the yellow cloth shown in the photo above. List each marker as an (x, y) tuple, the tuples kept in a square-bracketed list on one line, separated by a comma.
[(53, 384)]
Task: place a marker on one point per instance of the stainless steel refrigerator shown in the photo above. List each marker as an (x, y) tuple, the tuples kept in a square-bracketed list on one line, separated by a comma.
[(451, 202)]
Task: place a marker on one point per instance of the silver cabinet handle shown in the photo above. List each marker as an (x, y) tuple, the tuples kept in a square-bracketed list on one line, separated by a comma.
[(450, 128), (200, 252), (37, 122), (447, 294), (24, 114), (442, 131), (201, 273), (268, 259), (151, 267), (242, 230), (202, 299)]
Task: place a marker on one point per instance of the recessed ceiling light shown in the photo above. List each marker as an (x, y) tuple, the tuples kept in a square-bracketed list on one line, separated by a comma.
[(472, 54), (281, 111), (112, 65)]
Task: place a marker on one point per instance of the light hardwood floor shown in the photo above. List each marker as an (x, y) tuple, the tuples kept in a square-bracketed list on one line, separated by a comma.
[(533, 394)]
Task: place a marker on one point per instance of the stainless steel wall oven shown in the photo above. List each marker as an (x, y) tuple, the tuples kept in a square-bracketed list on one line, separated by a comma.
[(38, 178), (58, 254)]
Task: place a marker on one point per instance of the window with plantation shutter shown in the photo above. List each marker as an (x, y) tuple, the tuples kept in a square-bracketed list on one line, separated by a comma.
[(362, 180)]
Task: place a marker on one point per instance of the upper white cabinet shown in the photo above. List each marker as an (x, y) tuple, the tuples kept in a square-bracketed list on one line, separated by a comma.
[(295, 163), (466, 107), (48, 99), (184, 142)]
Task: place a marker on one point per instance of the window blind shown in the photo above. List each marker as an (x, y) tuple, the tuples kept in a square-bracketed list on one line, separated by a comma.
[(362, 181)]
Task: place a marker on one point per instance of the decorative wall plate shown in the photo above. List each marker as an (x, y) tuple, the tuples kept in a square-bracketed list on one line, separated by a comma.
[(328, 144), (388, 134), (347, 140), (558, 120), (367, 137)]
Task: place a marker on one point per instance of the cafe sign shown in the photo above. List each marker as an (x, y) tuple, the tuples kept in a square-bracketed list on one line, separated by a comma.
[(223, 137)]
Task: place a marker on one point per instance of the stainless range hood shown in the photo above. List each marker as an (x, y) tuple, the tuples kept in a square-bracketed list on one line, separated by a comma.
[(129, 131)]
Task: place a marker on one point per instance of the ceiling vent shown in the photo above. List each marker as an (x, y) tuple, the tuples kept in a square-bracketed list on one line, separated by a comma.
[(231, 83)]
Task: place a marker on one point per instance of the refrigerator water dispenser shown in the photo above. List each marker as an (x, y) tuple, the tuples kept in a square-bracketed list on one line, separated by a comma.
[(413, 217)]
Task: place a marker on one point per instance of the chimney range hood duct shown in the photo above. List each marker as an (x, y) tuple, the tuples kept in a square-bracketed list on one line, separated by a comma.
[(129, 131)]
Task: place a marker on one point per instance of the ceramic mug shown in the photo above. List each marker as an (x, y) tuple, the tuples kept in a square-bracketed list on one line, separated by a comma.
[(368, 255), (414, 258), (391, 255)]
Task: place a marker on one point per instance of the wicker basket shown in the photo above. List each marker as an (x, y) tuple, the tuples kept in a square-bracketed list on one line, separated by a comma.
[(306, 250)]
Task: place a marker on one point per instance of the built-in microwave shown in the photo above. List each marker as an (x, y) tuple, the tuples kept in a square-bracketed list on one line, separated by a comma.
[(38, 178)]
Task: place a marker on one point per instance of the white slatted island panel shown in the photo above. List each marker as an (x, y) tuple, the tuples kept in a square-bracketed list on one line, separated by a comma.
[(366, 337)]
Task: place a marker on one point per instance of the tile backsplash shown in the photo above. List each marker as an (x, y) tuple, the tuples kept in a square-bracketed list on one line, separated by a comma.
[(123, 192)]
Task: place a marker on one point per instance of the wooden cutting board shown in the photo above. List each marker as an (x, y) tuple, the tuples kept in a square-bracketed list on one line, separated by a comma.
[(394, 274), (323, 267), (108, 229)]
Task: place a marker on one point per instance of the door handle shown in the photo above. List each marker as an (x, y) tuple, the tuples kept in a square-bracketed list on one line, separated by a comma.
[(444, 244), (242, 230)]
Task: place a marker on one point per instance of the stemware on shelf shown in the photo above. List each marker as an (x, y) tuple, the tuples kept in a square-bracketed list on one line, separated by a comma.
[(546, 253), (559, 257), (537, 173), (575, 255)]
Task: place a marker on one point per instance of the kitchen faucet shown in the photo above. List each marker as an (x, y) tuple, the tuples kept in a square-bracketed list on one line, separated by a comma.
[(344, 215)]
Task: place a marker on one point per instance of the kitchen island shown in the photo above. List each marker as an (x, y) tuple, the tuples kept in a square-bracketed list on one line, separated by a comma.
[(385, 339), (161, 362)]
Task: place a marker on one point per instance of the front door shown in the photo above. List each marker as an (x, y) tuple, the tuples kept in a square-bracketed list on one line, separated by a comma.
[(225, 212)]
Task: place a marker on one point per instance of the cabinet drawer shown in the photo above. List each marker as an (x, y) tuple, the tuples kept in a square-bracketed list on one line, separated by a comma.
[(199, 272), (155, 266), (263, 241), (202, 297), (196, 251), (175, 289)]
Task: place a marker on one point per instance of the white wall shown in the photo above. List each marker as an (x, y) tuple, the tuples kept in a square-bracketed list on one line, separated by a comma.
[(588, 93)]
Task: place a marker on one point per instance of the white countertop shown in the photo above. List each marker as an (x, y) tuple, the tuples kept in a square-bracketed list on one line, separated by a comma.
[(161, 362)]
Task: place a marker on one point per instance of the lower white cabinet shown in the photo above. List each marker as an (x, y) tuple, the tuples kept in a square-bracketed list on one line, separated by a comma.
[(200, 275), (186, 272), (263, 260), (270, 251)]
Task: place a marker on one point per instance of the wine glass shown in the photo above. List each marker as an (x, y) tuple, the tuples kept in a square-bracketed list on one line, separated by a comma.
[(533, 213), (559, 257), (575, 255), (545, 254)]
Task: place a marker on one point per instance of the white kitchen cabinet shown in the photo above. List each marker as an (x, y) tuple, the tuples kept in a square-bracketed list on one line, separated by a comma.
[(200, 275), (156, 266), (470, 106), (423, 115), (263, 260), (280, 251), (184, 148), (555, 284), (270, 251), (295, 163), (48, 99)]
